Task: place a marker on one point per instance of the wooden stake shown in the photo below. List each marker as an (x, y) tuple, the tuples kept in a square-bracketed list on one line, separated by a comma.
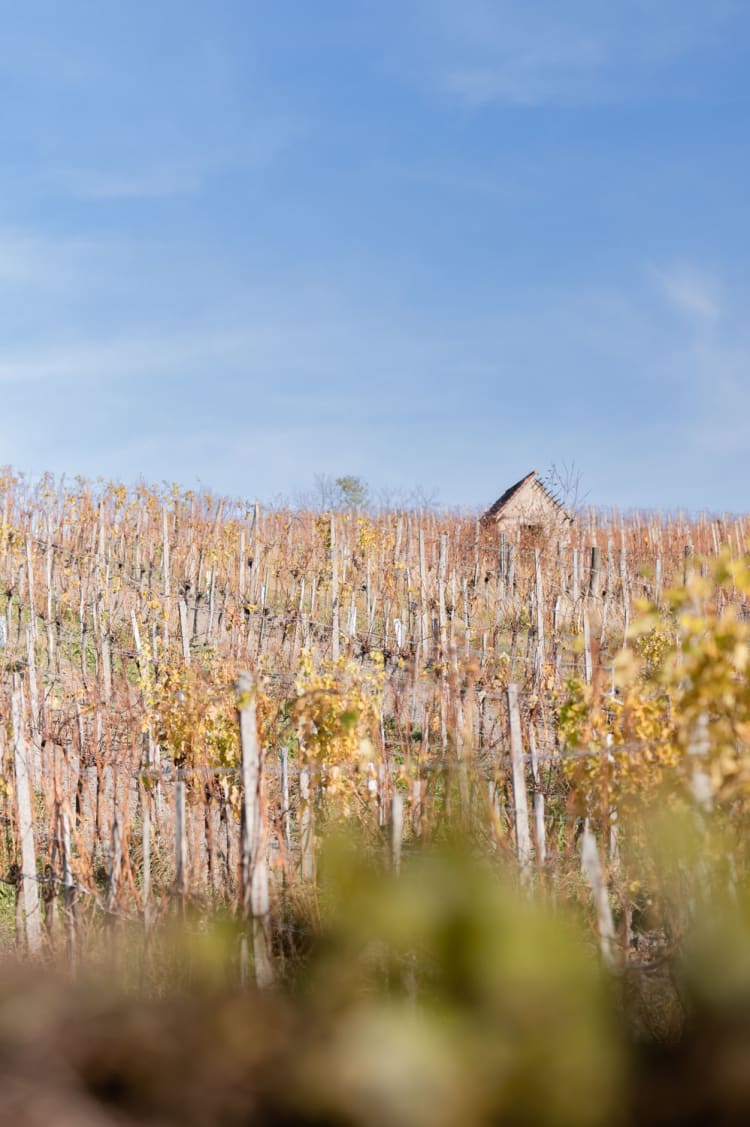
[(424, 630), (595, 574), (165, 574), (146, 840), (588, 670), (335, 641), (520, 801), (29, 891), (69, 888), (255, 895), (397, 829), (285, 826), (180, 840), (184, 630), (540, 836), (307, 839), (592, 869)]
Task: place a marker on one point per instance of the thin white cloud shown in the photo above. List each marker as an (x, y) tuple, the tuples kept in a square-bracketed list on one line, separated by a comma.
[(281, 377), (148, 176), (29, 258), (530, 76), (125, 356), (691, 292), (721, 390), (500, 51), (132, 184)]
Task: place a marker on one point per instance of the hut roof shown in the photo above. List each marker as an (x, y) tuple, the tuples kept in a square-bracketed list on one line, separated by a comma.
[(530, 481)]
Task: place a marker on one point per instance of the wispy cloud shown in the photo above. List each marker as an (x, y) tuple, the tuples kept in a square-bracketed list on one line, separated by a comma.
[(259, 404), (500, 51), (34, 259), (102, 111), (530, 76), (135, 356), (146, 182), (148, 174), (690, 291)]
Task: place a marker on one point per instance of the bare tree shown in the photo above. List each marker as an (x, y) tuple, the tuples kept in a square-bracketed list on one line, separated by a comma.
[(564, 482), (326, 491), (414, 499)]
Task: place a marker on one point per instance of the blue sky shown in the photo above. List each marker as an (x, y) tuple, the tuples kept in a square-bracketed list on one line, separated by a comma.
[(427, 242)]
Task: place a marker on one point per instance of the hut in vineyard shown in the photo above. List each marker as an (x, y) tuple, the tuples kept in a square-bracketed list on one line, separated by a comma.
[(528, 507)]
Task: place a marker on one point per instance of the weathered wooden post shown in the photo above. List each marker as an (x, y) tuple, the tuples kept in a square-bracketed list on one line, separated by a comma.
[(424, 628), (69, 888), (306, 831), (180, 841), (51, 660), (30, 579), (417, 807), (442, 610), (116, 861), (397, 829), (588, 668), (335, 640), (595, 573), (657, 582), (540, 837), (254, 866), (689, 564), (443, 635), (27, 880), (35, 717), (592, 869), (285, 822), (165, 574), (146, 849), (520, 800)]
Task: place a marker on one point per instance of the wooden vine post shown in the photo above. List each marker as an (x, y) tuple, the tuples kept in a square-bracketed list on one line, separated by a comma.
[(180, 835), (306, 828), (68, 886), (592, 869), (28, 887), (255, 905), (397, 829), (595, 572), (540, 837), (443, 638), (520, 799), (335, 641)]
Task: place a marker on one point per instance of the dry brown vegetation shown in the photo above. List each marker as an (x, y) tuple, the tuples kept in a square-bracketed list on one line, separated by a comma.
[(198, 693), (382, 647)]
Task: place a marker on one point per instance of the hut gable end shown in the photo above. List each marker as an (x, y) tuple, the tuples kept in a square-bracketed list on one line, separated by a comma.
[(527, 504)]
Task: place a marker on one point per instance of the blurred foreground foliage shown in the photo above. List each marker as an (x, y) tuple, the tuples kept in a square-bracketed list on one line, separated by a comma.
[(440, 997)]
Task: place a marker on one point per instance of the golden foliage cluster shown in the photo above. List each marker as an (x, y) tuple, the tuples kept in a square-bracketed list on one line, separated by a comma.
[(680, 705), (330, 721), (337, 715), (190, 709)]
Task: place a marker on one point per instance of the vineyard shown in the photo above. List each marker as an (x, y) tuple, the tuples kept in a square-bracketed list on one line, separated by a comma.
[(200, 697)]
